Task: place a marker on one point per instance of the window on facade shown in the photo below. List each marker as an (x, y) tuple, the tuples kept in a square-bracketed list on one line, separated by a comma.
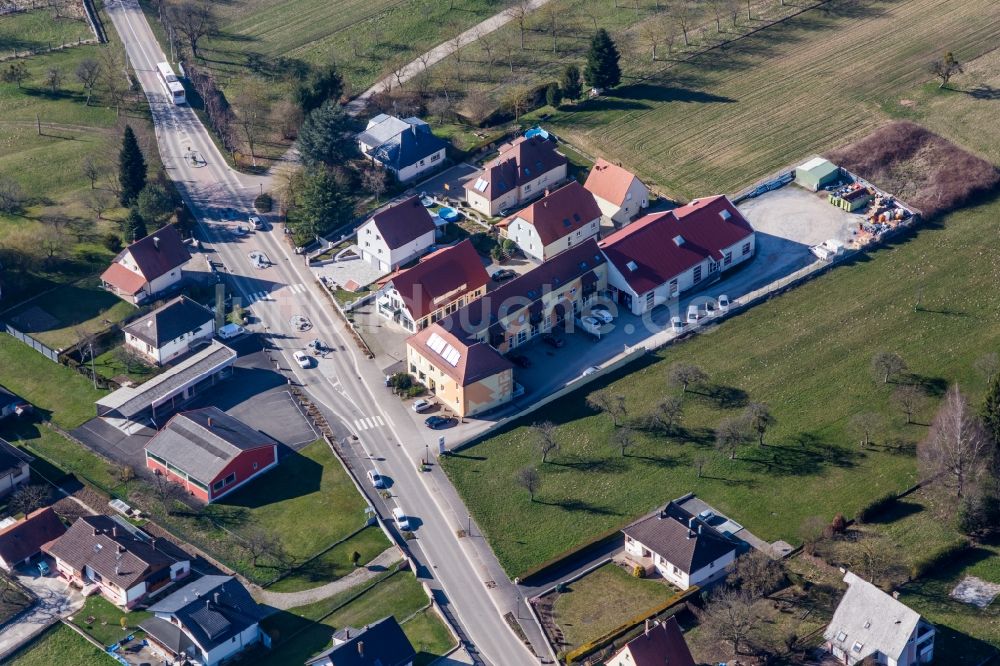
[(746, 248), (697, 274), (435, 157), (650, 299), (218, 485), (421, 162), (230, 479), (527, 188), (673, 287), (255, 467), (712, 267), (727, 259)]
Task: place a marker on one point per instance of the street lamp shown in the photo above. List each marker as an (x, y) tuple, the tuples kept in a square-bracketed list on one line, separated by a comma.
[(427, 454)]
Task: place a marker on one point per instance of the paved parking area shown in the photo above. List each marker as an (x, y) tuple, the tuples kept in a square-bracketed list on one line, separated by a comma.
[(795, 214), (449, 183), (353, 269)]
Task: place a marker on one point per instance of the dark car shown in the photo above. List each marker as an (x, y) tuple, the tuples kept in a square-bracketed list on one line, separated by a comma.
[(520, 360), (438, 422), (553, 341), (503, 275)]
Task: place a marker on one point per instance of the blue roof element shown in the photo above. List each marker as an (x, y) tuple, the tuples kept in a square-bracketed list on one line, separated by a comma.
[(536, 131), (408, 147)]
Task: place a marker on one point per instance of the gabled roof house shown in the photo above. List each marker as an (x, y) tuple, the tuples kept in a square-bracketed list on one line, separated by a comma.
[(381, 643), (870, 623), (148, 267), (561, 219), (520, 173), (662, 255), (14, 467), (660, 644), (24, 539), (619, 192), (170, 331), (442, 282), (210, 453), (206, 622), (405, 146), (396, 235)]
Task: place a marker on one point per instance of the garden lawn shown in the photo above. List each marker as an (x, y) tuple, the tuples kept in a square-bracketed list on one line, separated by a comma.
[(106, 626), (109, 365), (603, 600), (335, 563), (57, 456), (53, 647), (35, 30), (53, 388), (807, 354)]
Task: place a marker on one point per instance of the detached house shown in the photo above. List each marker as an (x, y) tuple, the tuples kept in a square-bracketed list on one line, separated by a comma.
[(170, 331), (619, 193), (206, 622), (441, 283), (210, 453), (661, 644), (14, 467), (868, 623), (102, 556), (148, 267), (381, 643), (522, 171), (24, 539), (396, 235), (406, 146), (556, 222), (680, 546), (660, 256)]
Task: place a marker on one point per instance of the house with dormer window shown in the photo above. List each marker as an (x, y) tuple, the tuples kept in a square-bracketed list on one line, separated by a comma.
[(521, 172), (556, 222)]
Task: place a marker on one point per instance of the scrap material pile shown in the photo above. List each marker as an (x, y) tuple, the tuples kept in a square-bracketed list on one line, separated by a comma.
[(884, 214)]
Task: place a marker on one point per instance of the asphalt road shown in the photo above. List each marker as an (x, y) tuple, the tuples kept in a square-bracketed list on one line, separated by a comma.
[(343, 383)]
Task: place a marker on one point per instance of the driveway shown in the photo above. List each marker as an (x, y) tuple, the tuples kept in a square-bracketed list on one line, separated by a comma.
[(56, 600), (449, 184)]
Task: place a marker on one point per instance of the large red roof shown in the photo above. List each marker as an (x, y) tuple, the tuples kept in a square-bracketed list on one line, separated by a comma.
[(648, 255), (560, 213), (440, 278), (123, 279), (609, 182), (464, 362)]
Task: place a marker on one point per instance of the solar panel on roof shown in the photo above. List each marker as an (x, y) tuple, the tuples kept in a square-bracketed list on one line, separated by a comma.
[(451, 355), (480, 185), (436, 342)]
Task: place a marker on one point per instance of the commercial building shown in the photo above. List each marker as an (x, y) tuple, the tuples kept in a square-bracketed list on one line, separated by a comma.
[(816, 174)]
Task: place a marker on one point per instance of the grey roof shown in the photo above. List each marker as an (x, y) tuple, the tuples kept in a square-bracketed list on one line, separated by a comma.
[(681, 539), (11, 457), (166, 634), (130, 401), (384, 127), (869, 616), (211, 610), (381, 643), (203, 441), (169, 322)]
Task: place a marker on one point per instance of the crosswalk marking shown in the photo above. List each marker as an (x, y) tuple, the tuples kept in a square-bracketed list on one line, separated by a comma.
[(368, 422), (297, 288)]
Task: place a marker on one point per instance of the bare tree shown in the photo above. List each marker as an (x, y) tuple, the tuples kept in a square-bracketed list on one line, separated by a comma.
[(759, 418), (730, 434), (956, 448), (518, 13), (730, 617), (720, 8), (987, 365), (550, 15), (873, 557), (945, 68), (699, 463), (547, 442), (52, 241), (865, 426), (375, 181), (601, 401), (624, 439), (484, 38), (88, 73), (253, 108), (886, 365), (12, 197), (529, 479), (257, 543), (507, 47), (91, 170), (114, 77), (669, 413), (126, 475), (652, 36), (439, 106), (909, 398), (28, 498), (194, 20), (757, 574), (519, 99), (685, 375), (53, 79), (684, 16), (811, 531)]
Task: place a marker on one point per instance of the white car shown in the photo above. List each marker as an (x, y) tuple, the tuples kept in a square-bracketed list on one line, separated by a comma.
[(694, 314), (589, 371), (302, 359), (376, 479), (602, 313), (421, 405), (402, 520), (256, 223), (676, 324), (723, 302), (230, 331)]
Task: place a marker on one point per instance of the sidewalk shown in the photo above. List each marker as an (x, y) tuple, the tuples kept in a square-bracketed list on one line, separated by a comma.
[(286, 600)]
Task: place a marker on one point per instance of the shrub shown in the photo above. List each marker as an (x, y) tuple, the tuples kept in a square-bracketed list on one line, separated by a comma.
[(935, 559), (876, 506), (401, 381), (415, 390), (263, 203), (638, 571), (112, 242), (837, 526)]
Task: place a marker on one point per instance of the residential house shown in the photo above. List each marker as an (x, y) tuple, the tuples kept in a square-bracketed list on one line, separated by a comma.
[(12, 405), (442, 282), (23, 540), (556, 222), (170, 331), (468, 377), (381, 643), (870, 623), (662, 255), (148, 267), (680, 546), (210, 453), (14, 470), (103, 556), (619, 193), (206, 622), (404, 146), (660, 644), (396, 235), (521, 172)]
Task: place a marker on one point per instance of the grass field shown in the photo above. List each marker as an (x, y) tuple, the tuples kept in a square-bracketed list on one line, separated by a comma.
[(37, 30), (106, 624), (308, 502), (53, 646), (602, 600), (57, 456)]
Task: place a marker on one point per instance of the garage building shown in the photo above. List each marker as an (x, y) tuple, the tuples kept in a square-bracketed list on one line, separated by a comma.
[(817, 173)]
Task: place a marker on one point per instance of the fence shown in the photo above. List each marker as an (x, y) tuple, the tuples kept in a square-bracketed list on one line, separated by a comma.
[(42, 349), (95, 22)]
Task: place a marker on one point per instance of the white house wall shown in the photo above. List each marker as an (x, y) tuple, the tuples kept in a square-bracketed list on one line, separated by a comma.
[(173, 348), (424, 165), (248, 637)]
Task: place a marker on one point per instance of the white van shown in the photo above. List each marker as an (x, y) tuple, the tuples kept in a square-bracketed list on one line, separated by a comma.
[(402, 521), (230, 331)]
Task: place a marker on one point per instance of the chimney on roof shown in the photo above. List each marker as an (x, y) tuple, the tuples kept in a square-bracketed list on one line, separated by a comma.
[(121, 549), (361, 648), (114, 530), (699, 529), (691, 523), (156, 242), (347, 632), (648, 627), (216, 597), (210, 422), (547, 191)]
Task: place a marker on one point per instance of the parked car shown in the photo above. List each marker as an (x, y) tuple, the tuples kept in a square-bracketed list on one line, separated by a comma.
[(503, 275), (602, 313), (504, 212), (302, 359), (694, 314), (402, 520), (43, 568), (421, 405), (388, 380), (589, 371), (239, 231), (317, 346), (437, 422), (230, 331), (553, 341), (520, 360), (723, 302), (676, 324), (256, 223), (376, 479)]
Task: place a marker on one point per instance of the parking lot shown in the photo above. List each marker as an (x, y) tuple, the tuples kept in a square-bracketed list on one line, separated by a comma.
[(797, 215)]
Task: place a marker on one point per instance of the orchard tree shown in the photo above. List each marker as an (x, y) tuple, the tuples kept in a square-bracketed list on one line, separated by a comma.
[(685, 375), (131, 168), (864, 427), (16, 72), (759, 418), (88, 73), (545, 432), (909, 398), (669, 413), (529, 479), (958, 446), (886, 365), (945, 68), (730, 435), (602, 70)]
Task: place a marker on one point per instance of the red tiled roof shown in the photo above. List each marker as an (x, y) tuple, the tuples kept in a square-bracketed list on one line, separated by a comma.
[(519, 162), (609, 182), (440, 278), (648, 243), (560, 213), (123, 279), (26, 537), (475, 361), (662, 644), (159, 253), (404, 222)]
